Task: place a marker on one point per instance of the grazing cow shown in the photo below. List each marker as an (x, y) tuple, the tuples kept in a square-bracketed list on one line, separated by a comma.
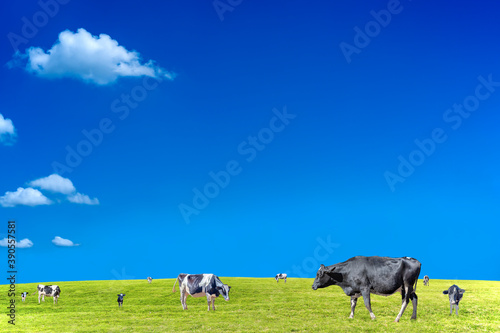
[(150, 279), (426, 280), (360, 276), (199, 285), (280, 276), (51, 291), (23, 296), (120, 300), (455, 294)]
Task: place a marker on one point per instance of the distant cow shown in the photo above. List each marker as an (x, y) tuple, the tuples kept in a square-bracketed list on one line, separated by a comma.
[(360, 276), (23, 296), (150, 279), (281, 276), (455, 294), (120, 300), (199, 285), (51, 291), (426, 280)]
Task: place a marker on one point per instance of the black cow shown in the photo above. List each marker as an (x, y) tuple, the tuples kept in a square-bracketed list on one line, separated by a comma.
[(52, 291), (120, 300), (150, 279), (455, 294), (280, 276), (360, 276), (199, 285), (426, 280), (23, 296)]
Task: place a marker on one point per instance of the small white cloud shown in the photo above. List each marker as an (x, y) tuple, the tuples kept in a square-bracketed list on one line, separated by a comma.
[(24, 196), (58, 241), (80, 198), (54, 183), (96, 59), (7, 131), (22, 244)]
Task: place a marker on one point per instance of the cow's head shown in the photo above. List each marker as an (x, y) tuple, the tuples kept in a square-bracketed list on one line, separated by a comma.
[(455, 294), (326, 277), (224, 291)]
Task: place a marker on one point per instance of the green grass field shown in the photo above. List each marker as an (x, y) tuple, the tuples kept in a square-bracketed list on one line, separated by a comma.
[(256, 305)]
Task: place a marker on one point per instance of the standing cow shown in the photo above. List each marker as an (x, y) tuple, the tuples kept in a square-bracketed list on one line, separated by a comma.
[(120, 300), (150, 279), (199, 285), (426, 280), (360, 276), (23, 296), (281, 276), (455, 294), (51, 291)]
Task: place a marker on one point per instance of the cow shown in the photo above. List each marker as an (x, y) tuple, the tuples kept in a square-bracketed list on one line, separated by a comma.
[(199, 285), (150, 279), (52, 291), (280, 276), (426, 280), (455, 294), (360, 276), (23, 296), (120, 300)]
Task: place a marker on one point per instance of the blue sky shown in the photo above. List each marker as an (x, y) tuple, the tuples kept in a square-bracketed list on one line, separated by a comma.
[(246, 139)]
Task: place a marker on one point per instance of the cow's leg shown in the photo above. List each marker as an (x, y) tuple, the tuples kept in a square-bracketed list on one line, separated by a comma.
[(406, 298), (183, 299), (414, 302), (354, 300), (456, 309), (366, 298), (285, 280), (209, 300), (39, 295), (451, 309), (213, 304)]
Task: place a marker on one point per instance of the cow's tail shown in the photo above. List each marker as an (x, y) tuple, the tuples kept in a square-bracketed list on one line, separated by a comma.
[(173, 289)]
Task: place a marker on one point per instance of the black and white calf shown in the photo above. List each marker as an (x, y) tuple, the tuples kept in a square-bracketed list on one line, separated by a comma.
[(455, 294), (199, 285), (360, 276), (51, 291), (120, 300), (281, 276), (150, 279), (426, 280), (23, 296)]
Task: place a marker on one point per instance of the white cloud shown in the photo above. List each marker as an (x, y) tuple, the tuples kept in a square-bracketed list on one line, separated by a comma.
[(54, 183), (24, 196), (22, 244), (63, 242), (97, 59), (80, 198), (7, 131)]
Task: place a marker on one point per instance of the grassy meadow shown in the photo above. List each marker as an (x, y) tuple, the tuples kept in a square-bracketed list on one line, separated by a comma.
[(256, 305)]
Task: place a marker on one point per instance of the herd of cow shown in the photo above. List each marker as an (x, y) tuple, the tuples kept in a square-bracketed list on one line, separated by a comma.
[(358, 276)]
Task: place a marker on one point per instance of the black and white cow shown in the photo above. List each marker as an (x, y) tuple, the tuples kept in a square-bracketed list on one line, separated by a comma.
[(199, 285), (120, 300), (23, 296), (150, 279), (455, 294), (280, 276), (51, 291), (360, 276), (426, 280)]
